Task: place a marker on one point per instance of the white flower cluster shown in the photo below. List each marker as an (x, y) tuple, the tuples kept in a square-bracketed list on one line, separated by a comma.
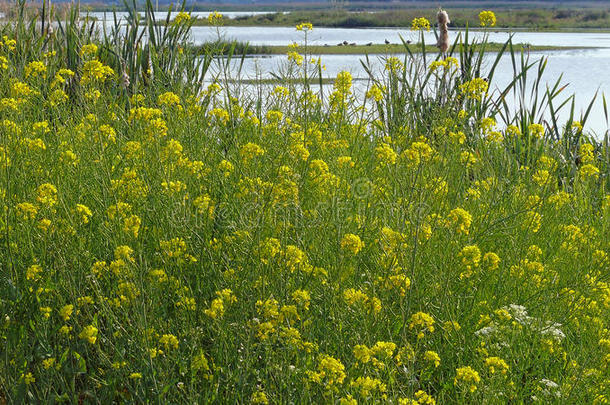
[(520, 315)]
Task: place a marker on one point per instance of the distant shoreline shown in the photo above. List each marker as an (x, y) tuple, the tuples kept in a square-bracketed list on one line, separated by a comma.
[(552, 18), (595, 20), (373, 49)]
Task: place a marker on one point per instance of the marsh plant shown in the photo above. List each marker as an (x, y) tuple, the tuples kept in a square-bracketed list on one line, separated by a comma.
[(167, 238)]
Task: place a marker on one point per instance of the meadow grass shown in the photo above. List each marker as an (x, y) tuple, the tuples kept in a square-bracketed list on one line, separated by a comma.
[(170, 234)]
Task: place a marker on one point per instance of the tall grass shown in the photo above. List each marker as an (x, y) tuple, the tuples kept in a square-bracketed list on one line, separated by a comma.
[(170, 234)]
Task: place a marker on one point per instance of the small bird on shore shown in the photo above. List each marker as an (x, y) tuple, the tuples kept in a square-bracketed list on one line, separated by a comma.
[(387, 42)]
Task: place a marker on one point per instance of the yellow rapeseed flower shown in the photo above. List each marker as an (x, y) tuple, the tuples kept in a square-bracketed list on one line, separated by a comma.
[(432, 357), (184, 17), (169, 341), (89, 334), (35, 69), (420, 23), (47, 195), (460, 219), (422, 323), (214, 18), (88, 50), (487, 18), (66, 311), (95, 71), (496, 364), (475, 88), (467, 376), (84, 213), (306, 26), (352, 243)]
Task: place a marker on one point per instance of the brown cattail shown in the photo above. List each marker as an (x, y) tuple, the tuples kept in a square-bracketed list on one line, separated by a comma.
[(50, 27), (125, 78), (443, 38), (443, 17)]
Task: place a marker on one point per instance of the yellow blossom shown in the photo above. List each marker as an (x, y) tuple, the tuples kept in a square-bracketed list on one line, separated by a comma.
[(47, 195), (89, 334), (422, 323), (306, 26), (214, 18), (496, 364), (475, 88), (84, 213), (169, 341), (468, 377), (351, 243), (66, 311), (487, 18), (183, 17), (420, 23), (432, 357)]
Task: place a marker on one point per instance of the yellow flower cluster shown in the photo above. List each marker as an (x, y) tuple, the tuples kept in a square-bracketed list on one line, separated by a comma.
[(214, 18), (474, 89), (184, 17), (420, 23), (330, 372), (467, 377), (487, 18), (422, 323), (95, 71), (446, 64), (218, 305), (306, 26), (35, 69), (355, 297), (89, 334), (460, 220), (88, 51), (352, 243)]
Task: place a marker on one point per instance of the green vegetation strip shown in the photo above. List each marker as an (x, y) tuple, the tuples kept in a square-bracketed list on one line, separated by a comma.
[(241, 48), (533, 19), (393, 48)]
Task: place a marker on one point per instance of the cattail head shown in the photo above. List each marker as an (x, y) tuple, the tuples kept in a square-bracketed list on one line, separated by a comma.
[(125, 80), (443, 39), (443, 17), (125, 77)]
